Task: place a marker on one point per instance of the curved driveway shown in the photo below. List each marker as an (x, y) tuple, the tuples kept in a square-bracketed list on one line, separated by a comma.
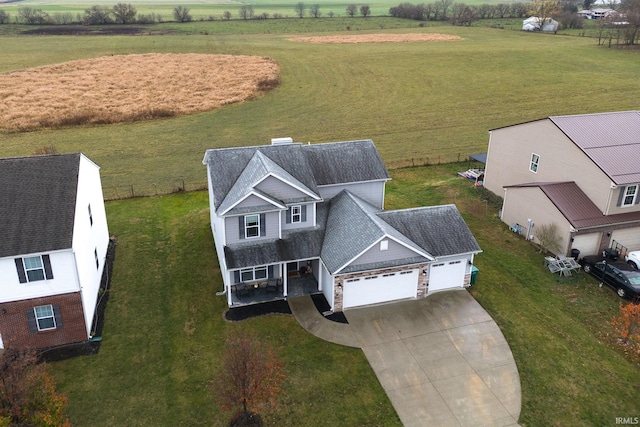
[(442, 360)]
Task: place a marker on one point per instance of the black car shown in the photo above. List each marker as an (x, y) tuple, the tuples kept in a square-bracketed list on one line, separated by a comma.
[(619, 275)]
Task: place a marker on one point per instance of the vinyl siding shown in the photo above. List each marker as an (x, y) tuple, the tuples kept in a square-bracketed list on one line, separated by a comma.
[(279, 189), (520, 204), (372, 192), (308, 218), (271, 227), (394, 251), (561, 160), (252, 201)]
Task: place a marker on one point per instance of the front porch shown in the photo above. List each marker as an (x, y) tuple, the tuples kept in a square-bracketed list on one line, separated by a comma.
[(259, 292)]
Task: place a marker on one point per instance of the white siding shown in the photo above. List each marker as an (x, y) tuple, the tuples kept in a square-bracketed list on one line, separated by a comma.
[(65, 279), (372, 192), (88, 238), (328, 286), (309, 222)]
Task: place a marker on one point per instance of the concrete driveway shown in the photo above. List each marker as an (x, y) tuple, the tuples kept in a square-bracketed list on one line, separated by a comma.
[(442, 360)]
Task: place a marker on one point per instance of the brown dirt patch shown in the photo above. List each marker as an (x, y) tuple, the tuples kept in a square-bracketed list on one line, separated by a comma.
[(378, 38), (129, 87)]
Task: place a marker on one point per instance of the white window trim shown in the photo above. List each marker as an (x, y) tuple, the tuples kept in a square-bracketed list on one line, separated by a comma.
[(38, 318), (635, 196), (296, 214), (253, 272), (247, 227), (27, 270), (534, 165)]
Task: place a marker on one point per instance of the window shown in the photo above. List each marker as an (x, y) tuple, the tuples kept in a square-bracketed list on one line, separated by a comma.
[(535, 162), (384, 245), (90, 216), (296, 214), (251, 226), (33, 268), (630, 194), (45, 319), (95, 254), (251, 274)]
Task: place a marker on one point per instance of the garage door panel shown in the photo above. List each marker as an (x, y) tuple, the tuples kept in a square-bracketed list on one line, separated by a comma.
[(628, 237), (379, 288), (447, 275), (587, 244)]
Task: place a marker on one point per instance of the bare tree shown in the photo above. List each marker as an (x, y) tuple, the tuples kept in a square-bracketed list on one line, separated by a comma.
[(352, 9), (631, 11), (97, 15), (32, 16), (444, 6), (181, 14), (547, 235), (330, 14), (314, 10), (226, 15), (124, 13), (251, 375), (246, 12), (365, 10), (300, 9), (5, 17), (544, 10)]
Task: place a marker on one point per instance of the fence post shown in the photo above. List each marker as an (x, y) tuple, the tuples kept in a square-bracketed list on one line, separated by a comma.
[(132, 190)]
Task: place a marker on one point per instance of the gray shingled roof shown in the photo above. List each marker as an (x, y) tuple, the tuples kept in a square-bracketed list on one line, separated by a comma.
[(610, 140), (37, 203), (311, 165), (439, 230), (353, 226), (576, 206)]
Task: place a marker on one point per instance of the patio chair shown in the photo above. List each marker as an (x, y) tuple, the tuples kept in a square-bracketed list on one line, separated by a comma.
[(272, 286), (242, 290)]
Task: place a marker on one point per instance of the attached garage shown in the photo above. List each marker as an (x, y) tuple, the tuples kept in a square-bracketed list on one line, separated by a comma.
[(628, 237), (379, 288), (447, 275), (587, 244)]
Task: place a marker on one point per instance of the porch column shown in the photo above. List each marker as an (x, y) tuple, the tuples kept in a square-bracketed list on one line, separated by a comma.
[(285, 278)]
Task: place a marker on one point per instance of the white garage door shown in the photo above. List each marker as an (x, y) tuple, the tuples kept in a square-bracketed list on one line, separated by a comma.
[(447, 275), (380, 288), (587, 244), (628, 237)]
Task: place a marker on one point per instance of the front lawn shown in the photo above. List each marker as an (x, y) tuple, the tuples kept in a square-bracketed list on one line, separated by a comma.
[(164, 327)]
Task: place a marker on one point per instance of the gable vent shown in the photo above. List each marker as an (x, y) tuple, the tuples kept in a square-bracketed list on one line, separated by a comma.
[(281, 141)]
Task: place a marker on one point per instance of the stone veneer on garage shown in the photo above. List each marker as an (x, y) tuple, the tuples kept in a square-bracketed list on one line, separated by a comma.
[(339, 281)]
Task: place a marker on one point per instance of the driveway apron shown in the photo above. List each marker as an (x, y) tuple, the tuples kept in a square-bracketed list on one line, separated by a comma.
[(442, 360)]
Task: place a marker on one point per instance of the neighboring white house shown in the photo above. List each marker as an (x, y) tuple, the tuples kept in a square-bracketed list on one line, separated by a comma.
[(581, 173), (53, 249), (291, 219), (534, 23)]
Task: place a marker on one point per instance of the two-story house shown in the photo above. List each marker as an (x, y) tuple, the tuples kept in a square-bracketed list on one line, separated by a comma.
[(581, 173), (291, 219), (53, 249)]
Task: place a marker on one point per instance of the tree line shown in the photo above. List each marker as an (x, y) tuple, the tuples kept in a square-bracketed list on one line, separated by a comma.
[(126, 13)]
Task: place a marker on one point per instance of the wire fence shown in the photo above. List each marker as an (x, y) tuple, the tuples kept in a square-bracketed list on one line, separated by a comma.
[(179, 185)]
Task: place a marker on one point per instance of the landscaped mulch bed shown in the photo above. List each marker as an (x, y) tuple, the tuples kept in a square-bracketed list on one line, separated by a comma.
[(279, 307)]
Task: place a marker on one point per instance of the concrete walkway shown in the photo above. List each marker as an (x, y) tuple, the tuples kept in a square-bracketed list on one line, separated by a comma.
[(442, 360)]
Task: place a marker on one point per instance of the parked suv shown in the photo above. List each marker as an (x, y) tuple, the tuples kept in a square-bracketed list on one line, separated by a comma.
[(633, 259)]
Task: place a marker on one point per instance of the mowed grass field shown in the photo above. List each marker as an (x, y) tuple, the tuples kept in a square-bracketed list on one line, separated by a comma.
[(164, 330), (432, 100)]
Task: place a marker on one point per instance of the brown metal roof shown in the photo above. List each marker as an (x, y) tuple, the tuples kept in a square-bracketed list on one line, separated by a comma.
[(576, 207), (610, 140)]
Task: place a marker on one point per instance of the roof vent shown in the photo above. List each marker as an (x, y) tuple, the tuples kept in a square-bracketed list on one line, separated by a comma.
[(281, 141)]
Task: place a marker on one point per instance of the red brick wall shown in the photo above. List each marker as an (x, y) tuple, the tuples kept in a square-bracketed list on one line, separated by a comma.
[(14, 324)]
